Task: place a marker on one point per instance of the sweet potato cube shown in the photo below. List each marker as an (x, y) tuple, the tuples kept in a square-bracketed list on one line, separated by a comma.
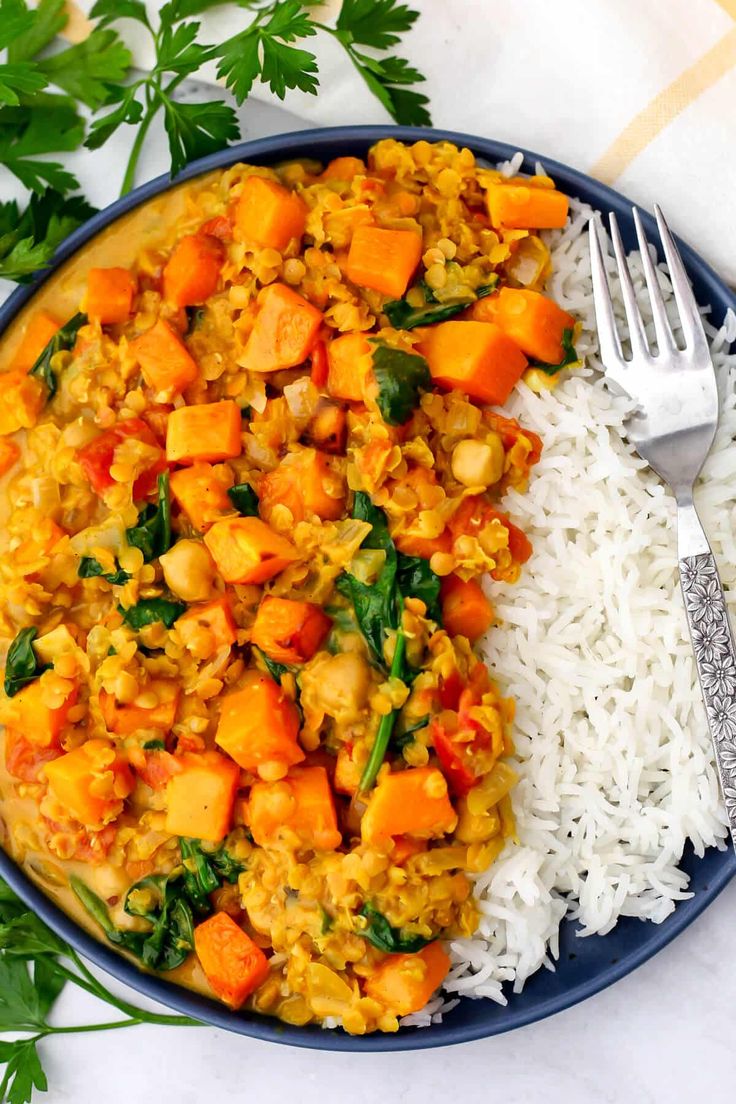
[(131, 717), (284, 333), (206, 431), (302, 803), (41, 708), (410, 802), (306, 484), (165, 361), (200, 797), (519, 207), (403, 983), (246, 550), (535, 322), (350, 367), (233, 964), (21, 400), (475, 357), (90, 782), (289, 631), (344, 168), (193, 269), (465, 609), (384, 260), (201, 491), (268, 214), (208, 626), (259, 726), (110, 294), (39, 330)]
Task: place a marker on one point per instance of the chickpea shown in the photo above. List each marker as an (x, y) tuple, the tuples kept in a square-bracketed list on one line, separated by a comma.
[(478, 463), (188, 570), (344, 685), (476, 827)]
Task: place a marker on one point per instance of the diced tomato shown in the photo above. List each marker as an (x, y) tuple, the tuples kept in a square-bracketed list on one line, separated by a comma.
[(476, 512), (157, 769), (450, 690), (218, 227), (24, 759), (320, 364), (96, 458), (457, 739)]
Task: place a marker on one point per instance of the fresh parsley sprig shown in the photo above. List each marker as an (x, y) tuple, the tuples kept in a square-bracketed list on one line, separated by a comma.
[(45, 91), (35, 965)]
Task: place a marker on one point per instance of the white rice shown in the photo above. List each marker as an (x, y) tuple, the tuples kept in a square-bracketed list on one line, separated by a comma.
[(616, 766)]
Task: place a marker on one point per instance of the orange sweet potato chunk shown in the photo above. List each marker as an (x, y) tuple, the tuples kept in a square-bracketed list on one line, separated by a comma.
[(259, 726), (204, 431), (403, 983), (165, 361), (233, 964), (246, 550), (384, 260), (408, 802), (200, 796), (269, 214)]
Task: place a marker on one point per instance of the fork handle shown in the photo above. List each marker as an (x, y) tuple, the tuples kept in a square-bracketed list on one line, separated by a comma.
[(713, 646)]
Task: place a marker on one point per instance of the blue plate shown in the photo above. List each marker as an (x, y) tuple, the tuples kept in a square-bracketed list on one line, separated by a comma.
[(586, 965)]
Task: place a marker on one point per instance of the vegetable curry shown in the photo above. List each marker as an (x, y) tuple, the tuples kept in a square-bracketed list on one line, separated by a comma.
[(252, 508)]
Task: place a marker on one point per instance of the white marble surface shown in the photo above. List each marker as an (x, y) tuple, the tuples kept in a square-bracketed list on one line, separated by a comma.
[(662, 1034)]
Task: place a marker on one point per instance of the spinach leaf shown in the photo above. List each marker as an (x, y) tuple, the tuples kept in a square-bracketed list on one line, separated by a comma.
[(154, 745), (275, 670), (244, 499), (150, 610), (416, 579), (403, 316), (165, 906), (407, 736), (152, 534), (327, 921), (204, 872), (569, 356), (22, 666), (90, 568), (63, 340), (169, 904), (195, 318), (376, 604), (388, 938), (400, 377)]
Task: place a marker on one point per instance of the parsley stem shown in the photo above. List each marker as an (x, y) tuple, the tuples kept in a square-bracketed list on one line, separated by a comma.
[(135, 151), (91, 985), (386, 727)]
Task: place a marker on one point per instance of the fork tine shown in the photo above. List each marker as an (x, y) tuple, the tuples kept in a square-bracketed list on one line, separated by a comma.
[(690, 318), (637, 336), (665, 338), (608, 340)]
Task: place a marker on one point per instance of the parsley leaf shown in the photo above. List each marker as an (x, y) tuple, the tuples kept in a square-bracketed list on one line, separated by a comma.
[(196, 129), (376, 23), (89, 70), (23, 1071), (41, 25), (263, 50), (28, 240)]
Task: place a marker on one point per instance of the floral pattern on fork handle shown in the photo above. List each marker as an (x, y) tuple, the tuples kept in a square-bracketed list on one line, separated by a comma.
[(715, 658)]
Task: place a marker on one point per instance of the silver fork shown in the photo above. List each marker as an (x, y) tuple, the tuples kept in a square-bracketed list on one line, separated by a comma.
[(672, 427)]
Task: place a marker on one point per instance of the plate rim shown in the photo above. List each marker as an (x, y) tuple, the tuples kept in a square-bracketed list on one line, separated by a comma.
[(275, 148)]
